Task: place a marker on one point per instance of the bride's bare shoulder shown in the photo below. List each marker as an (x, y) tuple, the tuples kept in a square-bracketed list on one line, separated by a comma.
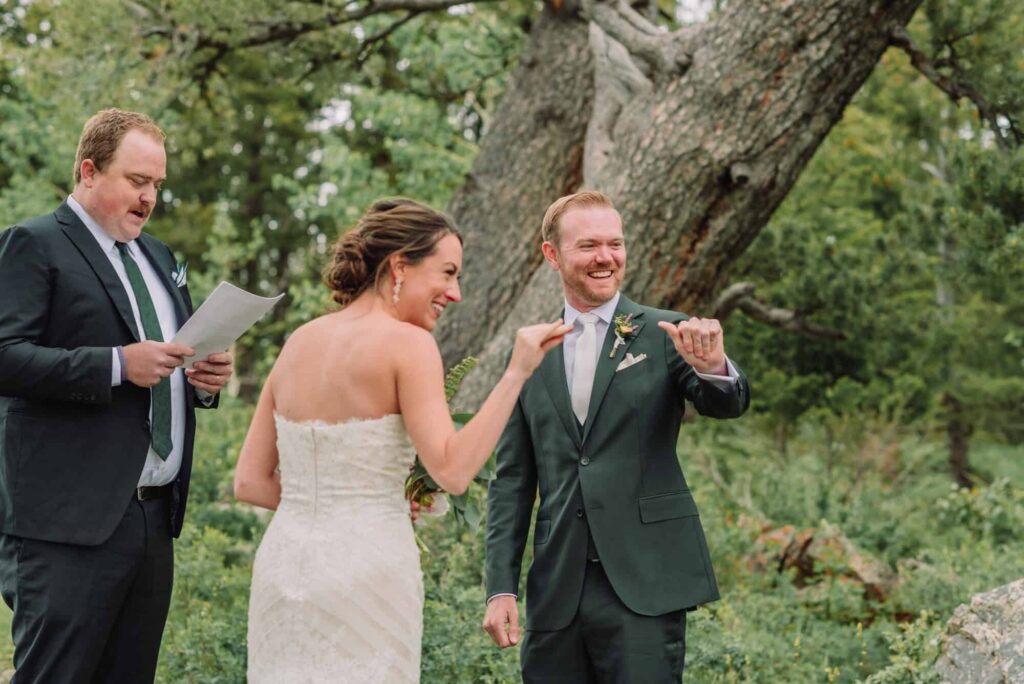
[(306, 331), (382, 331)]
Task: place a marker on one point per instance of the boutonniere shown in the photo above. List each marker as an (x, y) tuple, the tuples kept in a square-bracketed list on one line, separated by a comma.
[(180, 274), (625, 328)]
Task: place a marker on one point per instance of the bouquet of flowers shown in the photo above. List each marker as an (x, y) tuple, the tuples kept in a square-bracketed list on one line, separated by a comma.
[(420, 487)]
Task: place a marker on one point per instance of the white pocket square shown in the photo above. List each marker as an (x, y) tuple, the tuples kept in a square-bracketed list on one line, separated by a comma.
[(630, 360)]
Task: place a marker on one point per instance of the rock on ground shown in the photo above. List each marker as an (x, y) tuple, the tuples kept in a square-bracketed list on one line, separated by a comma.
[(985, 639)]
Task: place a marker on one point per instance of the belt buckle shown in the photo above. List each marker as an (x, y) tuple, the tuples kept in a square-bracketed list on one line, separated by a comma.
[(140, 493)]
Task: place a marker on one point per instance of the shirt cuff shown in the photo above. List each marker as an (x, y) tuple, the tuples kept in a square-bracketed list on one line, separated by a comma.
[(494, 596), (204, 396), (722, 381), (117, 366)]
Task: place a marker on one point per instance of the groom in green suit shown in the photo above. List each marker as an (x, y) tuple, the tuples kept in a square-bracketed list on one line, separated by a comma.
[(619, 552)]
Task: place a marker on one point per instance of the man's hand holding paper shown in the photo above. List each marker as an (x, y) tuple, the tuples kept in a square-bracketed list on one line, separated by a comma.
[(212, 374), (225, 315)]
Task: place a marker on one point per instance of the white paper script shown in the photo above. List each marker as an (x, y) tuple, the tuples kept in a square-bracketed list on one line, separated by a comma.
[(227, 313)]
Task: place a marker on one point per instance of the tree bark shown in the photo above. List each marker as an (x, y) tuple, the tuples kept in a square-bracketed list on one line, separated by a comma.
[(697, 136), (958, 434), (532, 154)]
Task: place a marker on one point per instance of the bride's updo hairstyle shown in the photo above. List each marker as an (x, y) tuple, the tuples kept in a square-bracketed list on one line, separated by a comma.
[(390, 226)]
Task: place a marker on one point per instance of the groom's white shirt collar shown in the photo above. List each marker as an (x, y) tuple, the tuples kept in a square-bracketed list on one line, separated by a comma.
[(605, 312)]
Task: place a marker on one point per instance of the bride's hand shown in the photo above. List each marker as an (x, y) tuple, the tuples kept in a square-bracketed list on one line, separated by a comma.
[(533, 341)]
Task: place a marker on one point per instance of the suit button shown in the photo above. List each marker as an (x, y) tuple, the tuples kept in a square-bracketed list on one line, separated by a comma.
[(146, 424), (579, 512), (585, 461)]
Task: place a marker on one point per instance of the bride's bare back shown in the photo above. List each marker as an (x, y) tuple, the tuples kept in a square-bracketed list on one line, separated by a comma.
[(339, 367)]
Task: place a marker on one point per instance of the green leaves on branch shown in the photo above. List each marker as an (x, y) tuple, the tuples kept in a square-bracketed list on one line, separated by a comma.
[(467, 508)]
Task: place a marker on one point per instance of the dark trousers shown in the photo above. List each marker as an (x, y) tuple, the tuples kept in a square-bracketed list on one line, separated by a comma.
[(91, 614), (607, 642)]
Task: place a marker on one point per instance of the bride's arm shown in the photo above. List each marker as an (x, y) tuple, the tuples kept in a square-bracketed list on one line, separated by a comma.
[(454, 458), (257, 480)]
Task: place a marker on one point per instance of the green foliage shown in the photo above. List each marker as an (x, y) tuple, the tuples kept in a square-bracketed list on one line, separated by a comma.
[(913, 647), (455, 647), (905, 233), (467, 508), (453, 379), (204, 640), (885, 489), (995, 512)]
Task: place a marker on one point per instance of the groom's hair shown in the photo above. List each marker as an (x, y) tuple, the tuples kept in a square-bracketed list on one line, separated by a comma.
[(103, 133), (550, 230), (390, 226)]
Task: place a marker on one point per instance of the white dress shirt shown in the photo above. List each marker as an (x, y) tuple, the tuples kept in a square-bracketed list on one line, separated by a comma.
[(157, 471)]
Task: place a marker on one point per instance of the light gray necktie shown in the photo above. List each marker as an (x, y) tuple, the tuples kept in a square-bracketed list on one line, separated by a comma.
[(583, 365)]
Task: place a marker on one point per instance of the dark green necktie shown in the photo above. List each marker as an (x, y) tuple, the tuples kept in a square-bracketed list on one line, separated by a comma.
[(161, 435)]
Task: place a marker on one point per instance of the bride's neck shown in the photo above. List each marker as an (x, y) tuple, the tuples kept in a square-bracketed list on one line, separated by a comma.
[(371, 302)]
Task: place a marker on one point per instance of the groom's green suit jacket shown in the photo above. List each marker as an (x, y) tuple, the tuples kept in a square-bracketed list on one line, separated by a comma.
[(619, 476)]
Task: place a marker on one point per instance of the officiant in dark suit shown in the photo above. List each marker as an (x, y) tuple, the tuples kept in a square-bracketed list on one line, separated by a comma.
[(96, 416), (619, 553)]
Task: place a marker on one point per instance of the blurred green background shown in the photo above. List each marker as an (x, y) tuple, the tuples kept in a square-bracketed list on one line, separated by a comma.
[(897, 448)]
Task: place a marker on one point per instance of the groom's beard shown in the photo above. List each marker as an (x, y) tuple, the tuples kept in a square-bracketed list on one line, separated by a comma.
[(580, 287)]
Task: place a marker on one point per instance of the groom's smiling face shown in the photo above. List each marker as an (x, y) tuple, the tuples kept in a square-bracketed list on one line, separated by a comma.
[(590, 256)]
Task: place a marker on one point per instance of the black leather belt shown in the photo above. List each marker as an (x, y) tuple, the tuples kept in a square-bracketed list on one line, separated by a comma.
[(147, 493)]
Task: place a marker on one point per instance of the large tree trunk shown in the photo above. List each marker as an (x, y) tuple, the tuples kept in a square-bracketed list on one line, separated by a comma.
[(532, 154), (697, 135)]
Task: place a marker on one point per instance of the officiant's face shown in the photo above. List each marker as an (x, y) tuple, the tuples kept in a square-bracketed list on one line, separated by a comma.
[(429, 286), (590, 257), (121, 197)]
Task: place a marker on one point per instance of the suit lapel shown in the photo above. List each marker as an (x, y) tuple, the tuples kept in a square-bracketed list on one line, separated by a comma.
[(552, 371), (153, 249), (606, 365), (100, 264)]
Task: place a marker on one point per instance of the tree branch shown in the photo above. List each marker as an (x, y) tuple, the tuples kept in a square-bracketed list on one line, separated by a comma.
[(664, 55), (286, 30), (957, 88), (730, 298), (741, 296)]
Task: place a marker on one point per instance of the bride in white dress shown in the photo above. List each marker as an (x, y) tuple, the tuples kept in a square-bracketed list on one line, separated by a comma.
[(337, 592)]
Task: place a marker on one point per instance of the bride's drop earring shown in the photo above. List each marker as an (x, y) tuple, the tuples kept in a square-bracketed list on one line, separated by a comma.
[(394, 292)]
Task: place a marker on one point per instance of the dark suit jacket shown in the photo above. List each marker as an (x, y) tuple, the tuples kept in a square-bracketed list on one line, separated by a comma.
[(621, 478), (72, 447)]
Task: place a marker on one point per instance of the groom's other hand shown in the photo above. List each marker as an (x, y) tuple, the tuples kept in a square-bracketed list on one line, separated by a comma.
[(701, 343), (212, 374), (501, 621), (147, 363)]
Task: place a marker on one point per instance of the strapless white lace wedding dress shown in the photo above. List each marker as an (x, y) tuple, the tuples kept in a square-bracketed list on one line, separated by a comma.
[(337, 591)]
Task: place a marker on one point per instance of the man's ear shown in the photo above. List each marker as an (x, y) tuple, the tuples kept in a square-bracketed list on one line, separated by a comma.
[(88, 172), (550, 255)]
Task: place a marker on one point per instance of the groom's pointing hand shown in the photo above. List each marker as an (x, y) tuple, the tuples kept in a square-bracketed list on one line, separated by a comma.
[(501, 620), (701, 343)]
